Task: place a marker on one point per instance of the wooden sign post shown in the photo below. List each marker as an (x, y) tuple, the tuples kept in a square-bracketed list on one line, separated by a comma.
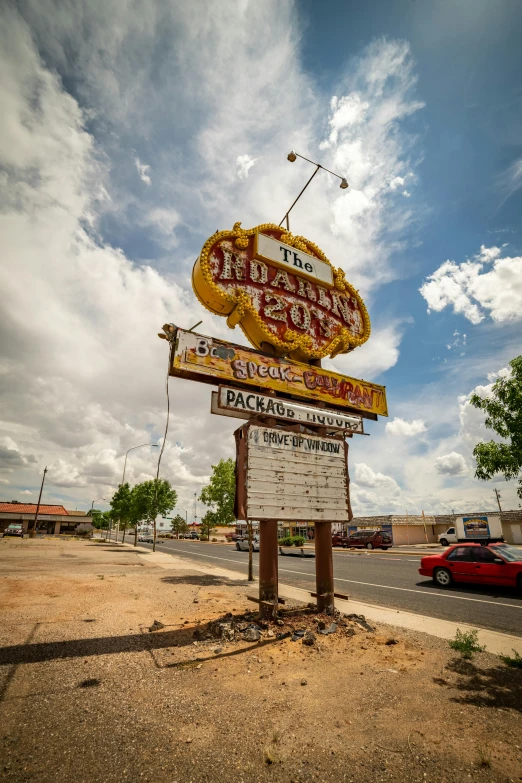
[(283, 475), (295, 308)]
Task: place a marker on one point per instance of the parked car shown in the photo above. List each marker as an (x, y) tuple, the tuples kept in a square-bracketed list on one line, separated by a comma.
[(369, 539), (233, 536), (146, 538), (192, 535), (491, 564), (242, 544), (14, 529), (339, 539)]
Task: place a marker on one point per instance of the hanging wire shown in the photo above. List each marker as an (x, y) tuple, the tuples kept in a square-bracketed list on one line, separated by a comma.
[(168, 412), (170, 332), (171, 351)]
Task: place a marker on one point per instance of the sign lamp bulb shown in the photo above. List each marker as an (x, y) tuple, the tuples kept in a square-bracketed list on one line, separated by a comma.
[(343, 184), (291, 156)]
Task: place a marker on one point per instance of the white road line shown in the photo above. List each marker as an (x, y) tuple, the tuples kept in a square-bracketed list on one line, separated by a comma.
[(385, 587), (385, 557)]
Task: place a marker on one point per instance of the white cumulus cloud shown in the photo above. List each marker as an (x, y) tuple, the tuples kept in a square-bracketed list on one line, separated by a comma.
[(365, 476), (83, 370), (405, 428), (476, 293), (377, 355), (143, 171), (452, 464), (373, 492), (472, 427), (244, 164)]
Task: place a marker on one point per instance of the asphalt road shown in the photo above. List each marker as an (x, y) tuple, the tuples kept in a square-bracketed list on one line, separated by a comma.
[(388, 579)]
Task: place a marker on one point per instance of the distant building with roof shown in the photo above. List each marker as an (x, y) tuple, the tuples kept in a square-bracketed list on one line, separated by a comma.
[(52, 519), (419, 529)]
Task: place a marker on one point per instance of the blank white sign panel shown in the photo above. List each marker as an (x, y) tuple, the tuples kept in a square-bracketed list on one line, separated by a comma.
[(291, 476)]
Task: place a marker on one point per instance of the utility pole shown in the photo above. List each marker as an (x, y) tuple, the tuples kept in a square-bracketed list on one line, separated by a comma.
[(38, 505), (497, 493), (424, 523)]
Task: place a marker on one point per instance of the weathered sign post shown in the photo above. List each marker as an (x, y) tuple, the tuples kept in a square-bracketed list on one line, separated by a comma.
[(291, 455), (286, 475)]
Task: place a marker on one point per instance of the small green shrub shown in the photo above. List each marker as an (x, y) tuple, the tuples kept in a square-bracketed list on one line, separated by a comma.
[(85, 530), (484, 757), (291, 541), (515, 662), (466, 643)]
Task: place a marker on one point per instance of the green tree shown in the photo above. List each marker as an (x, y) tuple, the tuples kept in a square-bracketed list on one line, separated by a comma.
[(151, 499), (122, 508), (221, 492), (179, 525), (220, 495), (95, 517), (503, 409), (208, 524), (101, 519)]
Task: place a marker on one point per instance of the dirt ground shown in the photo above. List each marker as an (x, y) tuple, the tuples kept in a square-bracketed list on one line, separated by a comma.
[(88, 692)]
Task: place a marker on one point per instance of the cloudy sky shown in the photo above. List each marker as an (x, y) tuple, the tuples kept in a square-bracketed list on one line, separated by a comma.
[(131, 130)]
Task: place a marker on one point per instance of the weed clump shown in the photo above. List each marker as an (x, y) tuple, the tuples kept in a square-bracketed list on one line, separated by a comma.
[(514, 661), (466, 643)]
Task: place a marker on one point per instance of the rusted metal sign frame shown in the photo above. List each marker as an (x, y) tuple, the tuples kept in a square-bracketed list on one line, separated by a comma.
[(255, 404), (241, 504), (208, 360)]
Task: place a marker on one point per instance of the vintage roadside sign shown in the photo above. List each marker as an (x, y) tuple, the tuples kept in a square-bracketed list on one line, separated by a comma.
[(246, 404), (214, 361), (283, 292), (287, 476)]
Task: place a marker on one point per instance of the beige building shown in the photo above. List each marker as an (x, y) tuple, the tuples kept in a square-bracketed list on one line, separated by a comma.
[(51, 519), (418, 529)]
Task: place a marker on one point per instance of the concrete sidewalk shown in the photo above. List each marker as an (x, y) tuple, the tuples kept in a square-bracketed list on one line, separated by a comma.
[(496, 643)]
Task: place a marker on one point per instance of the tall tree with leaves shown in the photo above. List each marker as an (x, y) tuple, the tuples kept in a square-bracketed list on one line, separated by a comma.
[(220, 495), (207, 524), (151, 499), (101, 519), (503, 409), (122, 508), (179, 525), (221, 492)]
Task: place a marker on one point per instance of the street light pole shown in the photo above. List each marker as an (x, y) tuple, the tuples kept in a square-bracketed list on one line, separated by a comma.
[(92, 506), (132, 448), (497, 493), (33, 532), (292, 157), (152, 446)]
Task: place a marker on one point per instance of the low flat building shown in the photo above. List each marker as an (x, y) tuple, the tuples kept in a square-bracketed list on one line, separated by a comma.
[(51, 519), (417, 529)]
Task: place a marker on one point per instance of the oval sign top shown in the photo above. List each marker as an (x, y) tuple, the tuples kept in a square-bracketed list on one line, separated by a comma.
[(283, 292)]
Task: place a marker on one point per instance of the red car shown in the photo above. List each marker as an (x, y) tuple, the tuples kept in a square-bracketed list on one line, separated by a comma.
[(494, 564)]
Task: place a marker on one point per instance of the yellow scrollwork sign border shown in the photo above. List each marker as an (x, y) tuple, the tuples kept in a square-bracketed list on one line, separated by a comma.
[(239, 307)]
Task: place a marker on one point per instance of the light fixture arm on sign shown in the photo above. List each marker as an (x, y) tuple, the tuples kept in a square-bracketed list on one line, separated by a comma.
[(291, 157)]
